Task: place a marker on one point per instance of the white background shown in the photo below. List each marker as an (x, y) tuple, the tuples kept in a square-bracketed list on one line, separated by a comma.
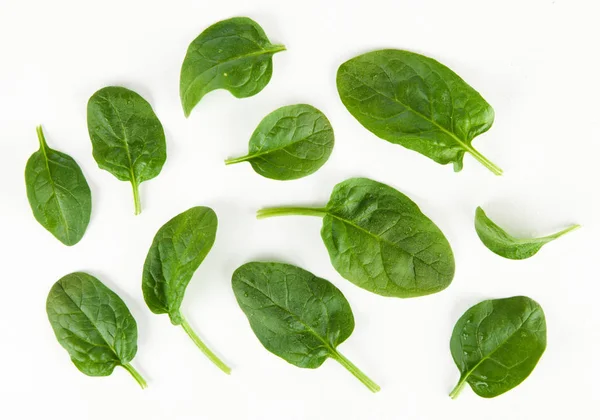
[(535, 61)]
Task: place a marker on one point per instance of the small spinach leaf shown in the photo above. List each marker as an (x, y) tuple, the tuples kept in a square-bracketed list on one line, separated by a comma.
[(58, 193), (416, 102), (127, 137), (379, 240), (234, 54), (296, 315), (497, 343), (93, 324), (507, 246), (178, 249), (290, 143)]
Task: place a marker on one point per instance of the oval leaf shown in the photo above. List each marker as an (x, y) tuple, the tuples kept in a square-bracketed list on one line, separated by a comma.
[(379, 240), (497, 343), (290, 143), (93, 324), (416, 102), (58, 193), (127, 138), (234, 54), (500, 242), (296, 315)]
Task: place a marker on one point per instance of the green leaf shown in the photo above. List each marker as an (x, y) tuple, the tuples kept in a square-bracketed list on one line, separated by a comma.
[(58, 193), (379, 240), (416, 102), (93, 324), (290, 143), (127, 137), (296, 315), (234, 54), (497, 343), (178, 249), (507, 246)]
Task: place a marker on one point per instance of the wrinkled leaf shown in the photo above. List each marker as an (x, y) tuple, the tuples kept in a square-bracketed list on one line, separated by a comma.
[(58, 193), (497, 343), (178, 249), (296, 315), (127, 138), (290, 143), (500, 242), (380, 240), (93, 324), (234, 54), (416, 102)]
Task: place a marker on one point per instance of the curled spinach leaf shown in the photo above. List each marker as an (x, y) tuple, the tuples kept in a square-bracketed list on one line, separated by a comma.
[(296, 315), (379, 240), (416, 102), (58, 193), (127, 138), (94, 325), (290, 143), (497, 343), (500, 242), (178, 249), (234, 54)]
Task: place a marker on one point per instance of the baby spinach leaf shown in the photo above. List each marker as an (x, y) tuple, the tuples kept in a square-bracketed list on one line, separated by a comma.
[(234, 54), (416, 102), (296, 315), (177, 251), (497, 343), (93, 324), (507, 246), (127, 137), (58, 193), (290, 143), (379, 240)]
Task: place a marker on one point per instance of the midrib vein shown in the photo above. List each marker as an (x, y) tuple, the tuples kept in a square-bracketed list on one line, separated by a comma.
[(52, 184)]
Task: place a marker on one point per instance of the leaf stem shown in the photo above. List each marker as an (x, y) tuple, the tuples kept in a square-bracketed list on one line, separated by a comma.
[(41, 137), (563, 232), (291, 211), (485, 161), (136, 375), (236, 160), (358, 374), (136, 197), (458, 388), (213, 357)]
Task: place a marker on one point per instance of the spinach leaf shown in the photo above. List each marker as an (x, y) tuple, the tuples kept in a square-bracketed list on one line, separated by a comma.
[(379, 240), (93, 324), (177, 251), (58, 193), (290, 143), (127, 137), (296, 315), (507, 246), (497, 343), (416, 102), (234, 54)]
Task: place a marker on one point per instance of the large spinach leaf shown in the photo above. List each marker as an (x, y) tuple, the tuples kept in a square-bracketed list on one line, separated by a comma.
[(234, 54), (379, 240), (296, 315), (290, 143), (497, 343), (414, 101), (500, 242), (127, 137), (178, 249), (58, 193), (93, 324)]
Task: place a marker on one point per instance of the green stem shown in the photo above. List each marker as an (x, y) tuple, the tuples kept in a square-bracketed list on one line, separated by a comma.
[(368, 382), (277, 48), (485, 161), (136, 375), (291, 211), (41, 138), (236, 160), (136, 197), (563, 232), (213, 357), (458, 388)]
